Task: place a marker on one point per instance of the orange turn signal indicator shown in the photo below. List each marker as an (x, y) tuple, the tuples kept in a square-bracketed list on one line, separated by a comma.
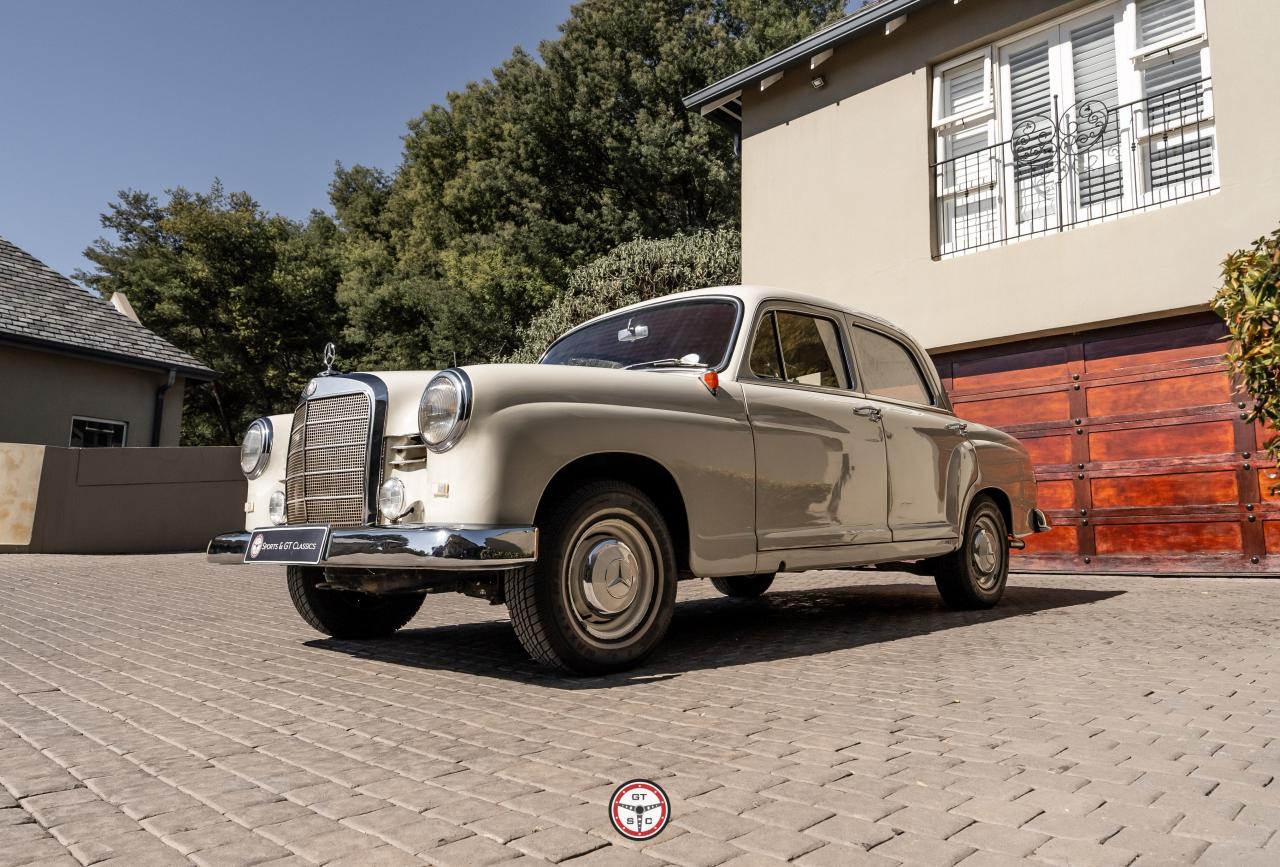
[(711, 380)]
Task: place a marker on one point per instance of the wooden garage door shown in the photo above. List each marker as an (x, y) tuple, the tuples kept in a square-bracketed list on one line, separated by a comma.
[(1145, 463)]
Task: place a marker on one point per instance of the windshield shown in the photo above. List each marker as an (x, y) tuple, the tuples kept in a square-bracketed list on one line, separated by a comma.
[(691, 333)]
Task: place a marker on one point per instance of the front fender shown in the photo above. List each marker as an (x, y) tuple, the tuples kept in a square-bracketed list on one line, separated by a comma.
[(514, 448)]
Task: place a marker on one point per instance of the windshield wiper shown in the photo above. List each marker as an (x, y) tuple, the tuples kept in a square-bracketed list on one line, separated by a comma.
[(664, 362)]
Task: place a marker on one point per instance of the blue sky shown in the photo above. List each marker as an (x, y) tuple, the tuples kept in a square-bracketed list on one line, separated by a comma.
[(100, 96)]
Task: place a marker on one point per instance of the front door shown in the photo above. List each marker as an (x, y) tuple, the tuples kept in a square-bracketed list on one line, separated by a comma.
[(821, 478), (928, 452)]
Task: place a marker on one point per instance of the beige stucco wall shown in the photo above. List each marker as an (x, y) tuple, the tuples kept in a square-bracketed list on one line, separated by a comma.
[(41, 391), (836, 191)]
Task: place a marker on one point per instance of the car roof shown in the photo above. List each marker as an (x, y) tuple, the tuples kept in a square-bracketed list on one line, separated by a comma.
[(751, 296)]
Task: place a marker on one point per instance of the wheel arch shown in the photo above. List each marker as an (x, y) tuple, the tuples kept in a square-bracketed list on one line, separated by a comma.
[(1002, 501), (645, 473)]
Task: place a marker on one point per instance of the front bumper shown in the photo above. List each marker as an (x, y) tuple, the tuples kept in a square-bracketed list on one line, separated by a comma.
[(459, 548)]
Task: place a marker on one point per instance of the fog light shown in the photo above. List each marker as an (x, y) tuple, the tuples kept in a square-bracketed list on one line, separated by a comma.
[(391, 499), (275, 508)]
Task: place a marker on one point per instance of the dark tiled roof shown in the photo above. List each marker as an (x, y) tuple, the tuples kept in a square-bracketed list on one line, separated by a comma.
[(38, 306)]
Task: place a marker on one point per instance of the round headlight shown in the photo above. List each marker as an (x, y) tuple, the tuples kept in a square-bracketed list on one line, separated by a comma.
[(444, 409), (276, 508), (256, 448), (391, 499)]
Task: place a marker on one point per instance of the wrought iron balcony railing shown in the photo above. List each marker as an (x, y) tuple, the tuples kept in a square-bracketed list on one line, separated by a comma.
[(1095, 162)]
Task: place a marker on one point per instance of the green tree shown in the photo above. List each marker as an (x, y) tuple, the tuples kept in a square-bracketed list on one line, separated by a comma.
[(249, 293), (1249, 302), (634, 271), (549, 164)]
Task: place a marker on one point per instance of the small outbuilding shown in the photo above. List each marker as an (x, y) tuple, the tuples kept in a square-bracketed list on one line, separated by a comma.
[(77, 370)]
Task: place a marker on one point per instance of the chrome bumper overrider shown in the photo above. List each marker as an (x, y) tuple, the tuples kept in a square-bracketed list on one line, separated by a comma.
[(465, 547), (1039, 523)]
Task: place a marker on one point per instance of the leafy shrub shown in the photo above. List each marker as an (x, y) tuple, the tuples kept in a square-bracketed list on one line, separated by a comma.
[(631, 272), (1249, 302)]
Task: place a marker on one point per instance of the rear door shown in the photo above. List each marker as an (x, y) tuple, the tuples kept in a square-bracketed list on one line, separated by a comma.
[(928, 453), (821, 478)]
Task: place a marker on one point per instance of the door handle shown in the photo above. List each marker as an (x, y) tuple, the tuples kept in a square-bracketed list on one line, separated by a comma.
[(957, 427), (871, 412)]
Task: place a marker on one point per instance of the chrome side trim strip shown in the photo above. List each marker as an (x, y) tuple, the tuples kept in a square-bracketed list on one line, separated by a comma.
[(414, 546)]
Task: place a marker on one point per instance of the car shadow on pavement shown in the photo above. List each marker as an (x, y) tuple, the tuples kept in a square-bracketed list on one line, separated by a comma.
[(719, 632)]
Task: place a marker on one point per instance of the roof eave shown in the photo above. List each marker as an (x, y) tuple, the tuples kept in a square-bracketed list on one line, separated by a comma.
[(202, 374), (810, 45)]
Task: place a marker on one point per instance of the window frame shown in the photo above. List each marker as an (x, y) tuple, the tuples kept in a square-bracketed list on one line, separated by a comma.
[(928, 373), (1132, 60), (1143, 55), (734, 335), (124, 433), (836, 318)]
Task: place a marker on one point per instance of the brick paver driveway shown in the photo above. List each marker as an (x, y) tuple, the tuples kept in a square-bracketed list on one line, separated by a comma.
[(156, 710)]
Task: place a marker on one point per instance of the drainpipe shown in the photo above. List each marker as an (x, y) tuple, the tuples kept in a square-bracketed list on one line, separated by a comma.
[(159, 416)]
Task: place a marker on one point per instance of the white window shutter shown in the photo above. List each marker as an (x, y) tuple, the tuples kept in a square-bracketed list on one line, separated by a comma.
[(1159, 20), (965, 89), (1030, 88)]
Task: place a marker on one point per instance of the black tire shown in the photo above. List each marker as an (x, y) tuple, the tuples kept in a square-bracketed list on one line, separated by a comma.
[(600, 622), (743, 586), (345, 613), (974, 576)]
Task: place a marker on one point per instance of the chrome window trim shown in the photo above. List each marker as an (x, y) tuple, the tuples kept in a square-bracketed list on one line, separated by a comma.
[(719, 367), (772, 305), (925, 367)]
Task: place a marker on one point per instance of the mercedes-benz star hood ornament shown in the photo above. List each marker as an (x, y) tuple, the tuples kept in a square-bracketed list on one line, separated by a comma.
[(330, 353)]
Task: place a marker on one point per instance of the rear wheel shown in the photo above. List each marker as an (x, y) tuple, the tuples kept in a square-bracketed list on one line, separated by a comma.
[(974, 575), (346, 613), (743, 586), (601, 596)]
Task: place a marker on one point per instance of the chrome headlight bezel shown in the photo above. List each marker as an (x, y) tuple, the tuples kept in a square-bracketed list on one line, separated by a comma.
[(261, 429), (461, 414)]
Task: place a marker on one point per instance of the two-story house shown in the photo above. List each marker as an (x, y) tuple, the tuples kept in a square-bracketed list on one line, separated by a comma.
[(1042, 191)]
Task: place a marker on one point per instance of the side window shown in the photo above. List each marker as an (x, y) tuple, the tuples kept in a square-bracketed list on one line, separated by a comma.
[(764, 351), (888, 369)]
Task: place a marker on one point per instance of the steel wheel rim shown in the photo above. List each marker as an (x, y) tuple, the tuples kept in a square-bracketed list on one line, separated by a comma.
[(984, 553), (611, 581)]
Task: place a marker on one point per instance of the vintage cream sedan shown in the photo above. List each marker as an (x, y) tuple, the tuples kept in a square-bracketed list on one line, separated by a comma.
[(731, 433)]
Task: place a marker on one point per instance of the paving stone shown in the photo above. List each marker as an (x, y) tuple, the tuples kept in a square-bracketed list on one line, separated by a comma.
[(473, 851), (915, 849), (836, 855), (557, 844), (150, 708), (789, 815), (777, 843), (242, 853), (693, 850), (1167, 846), (999, 838)]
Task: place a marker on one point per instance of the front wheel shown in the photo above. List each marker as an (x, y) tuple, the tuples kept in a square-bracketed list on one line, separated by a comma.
[(974, 575), (346, 613), (601, 596)]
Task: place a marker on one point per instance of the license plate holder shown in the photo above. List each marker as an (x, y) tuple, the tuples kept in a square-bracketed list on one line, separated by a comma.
[(291, 546)]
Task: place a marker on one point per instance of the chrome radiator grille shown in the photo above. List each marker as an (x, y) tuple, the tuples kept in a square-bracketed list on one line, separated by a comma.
[(328, 461)]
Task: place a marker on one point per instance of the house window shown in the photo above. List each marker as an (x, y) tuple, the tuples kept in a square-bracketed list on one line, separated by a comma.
[(91, 433), (1103, 113)]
